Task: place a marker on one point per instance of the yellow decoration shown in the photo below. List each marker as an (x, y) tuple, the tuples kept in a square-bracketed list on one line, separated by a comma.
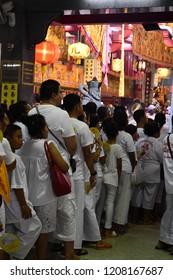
[(164, 73), (88, 188), (95, 131), (106, 148), (116, 65), (121, 85), (4, 183), (79, 50), (9, 242), (1, 136)]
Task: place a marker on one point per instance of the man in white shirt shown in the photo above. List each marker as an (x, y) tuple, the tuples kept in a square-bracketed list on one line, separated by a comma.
[(60, 125)]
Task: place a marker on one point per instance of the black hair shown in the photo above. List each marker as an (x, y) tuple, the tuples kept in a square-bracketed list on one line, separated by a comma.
[(35, 124), (70, 101), (94, 120), (11, 129), (47, 88), (120, 117), (131, 129), (151, 128), (106, 121), (138, 114), (17, 111), (2, 114), (102, 112), (91, 108), (160, 118), (111, 130)]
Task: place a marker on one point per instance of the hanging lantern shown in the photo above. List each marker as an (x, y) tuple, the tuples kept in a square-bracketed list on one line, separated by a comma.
[(79, 50), (116, 65), (45, 53), (164, 73)]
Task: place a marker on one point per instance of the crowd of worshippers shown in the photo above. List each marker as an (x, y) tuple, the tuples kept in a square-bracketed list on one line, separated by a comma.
[(121, 164)]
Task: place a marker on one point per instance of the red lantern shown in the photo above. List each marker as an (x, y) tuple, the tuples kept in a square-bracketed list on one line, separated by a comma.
[(45, 53)]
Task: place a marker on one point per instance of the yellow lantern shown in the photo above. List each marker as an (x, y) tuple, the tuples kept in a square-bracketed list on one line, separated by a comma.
[(116, 65), (79, 50)]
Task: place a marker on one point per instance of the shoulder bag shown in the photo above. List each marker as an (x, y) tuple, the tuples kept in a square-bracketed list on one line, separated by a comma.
[(61, 182)]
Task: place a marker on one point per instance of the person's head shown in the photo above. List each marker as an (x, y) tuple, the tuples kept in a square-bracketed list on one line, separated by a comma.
[(3, 120), (72, 104), (50, 92), (151, 109), (94, 121), (160, 118), (140, 116), (18, 111), (111, 130), (85, 117), (132, 130), (14, 135), (37, 126), (152, 129), (121, 118), (103, 112), (37, 98), (91, 108)]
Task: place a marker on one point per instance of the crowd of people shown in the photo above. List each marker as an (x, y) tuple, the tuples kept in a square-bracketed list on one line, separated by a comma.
[(123, 174)]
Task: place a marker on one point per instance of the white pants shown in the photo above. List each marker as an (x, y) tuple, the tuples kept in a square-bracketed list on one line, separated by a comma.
[(122, 200), (109, 204), (91, 227), (27, 231), (137, 195), (66, 224), (166, 227), (79, 188), (149, 195)]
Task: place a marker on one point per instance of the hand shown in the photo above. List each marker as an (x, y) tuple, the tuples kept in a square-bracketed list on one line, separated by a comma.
[(1, 226), (26, 212), (93, 181)]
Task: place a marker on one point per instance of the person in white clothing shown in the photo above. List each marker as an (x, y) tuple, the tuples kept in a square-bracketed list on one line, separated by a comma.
[(141, 120), (122, 201), (59, 124), (21, 219), (112, 175), (166, 226), (41, 192), (73, 106)]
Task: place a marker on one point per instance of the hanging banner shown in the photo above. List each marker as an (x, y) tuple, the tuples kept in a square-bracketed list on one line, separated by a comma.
[(4, 183), (150, 45)]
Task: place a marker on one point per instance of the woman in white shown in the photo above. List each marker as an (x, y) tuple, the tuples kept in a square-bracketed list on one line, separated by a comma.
[(111, 175), (38, 177)]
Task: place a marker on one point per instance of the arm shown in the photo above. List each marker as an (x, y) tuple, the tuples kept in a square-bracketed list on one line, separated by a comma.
[(119, 167), (88, 156), (25, 209), (132, 160), (57, 158), (71, 144), (11, 166)]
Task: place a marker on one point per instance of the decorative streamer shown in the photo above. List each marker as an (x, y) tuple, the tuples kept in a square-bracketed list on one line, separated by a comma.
[(121, 83)]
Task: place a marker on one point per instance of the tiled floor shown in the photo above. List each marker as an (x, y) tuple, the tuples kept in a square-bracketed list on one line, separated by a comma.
[(137, 244)]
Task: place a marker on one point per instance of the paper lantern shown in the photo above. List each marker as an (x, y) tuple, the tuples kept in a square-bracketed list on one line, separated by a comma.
[(116, 65), (164, 73), (79, 50), (45, 53)]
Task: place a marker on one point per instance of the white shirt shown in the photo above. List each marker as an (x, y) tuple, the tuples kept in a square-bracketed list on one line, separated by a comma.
[(125, 140), (9, 157), (59, 123), (17, 178), (152, 158), (111, 174), (37, 172), (168, 164), (84, 138)]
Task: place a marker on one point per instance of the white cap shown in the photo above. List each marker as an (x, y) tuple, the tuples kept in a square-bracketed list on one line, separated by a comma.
[(151, 107)]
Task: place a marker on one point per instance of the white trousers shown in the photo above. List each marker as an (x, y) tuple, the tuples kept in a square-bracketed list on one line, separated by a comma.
[(122, 200), (91, 227), (79, 188), (149, 195), (27, 231), (109, 204), (166, 227)]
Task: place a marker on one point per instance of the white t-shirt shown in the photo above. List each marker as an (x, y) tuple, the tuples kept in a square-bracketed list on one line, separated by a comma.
[(59, 123), (168, 164), (152, 158), (9, 157), (111, 174), (2, 153), (125, 140), (17, 179), (140, 131), (37, 172), (84, 138)]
